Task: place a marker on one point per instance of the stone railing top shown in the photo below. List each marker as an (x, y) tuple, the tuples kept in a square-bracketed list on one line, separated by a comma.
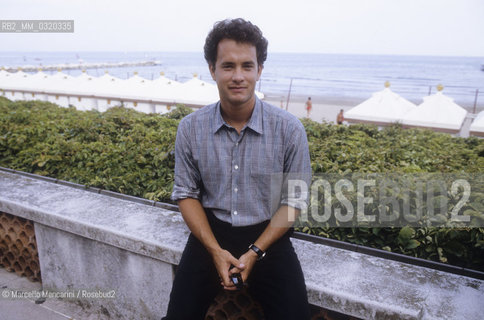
[(147, 230), (348, 282)]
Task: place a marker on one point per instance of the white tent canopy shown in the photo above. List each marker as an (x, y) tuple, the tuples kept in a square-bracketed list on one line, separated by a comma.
[(437, 112), (194, 91), (477, 126), (90, 92), (383, 108)]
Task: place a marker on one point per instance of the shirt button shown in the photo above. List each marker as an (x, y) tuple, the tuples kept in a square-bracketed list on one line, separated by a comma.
[(236, 167), (236, 189), (236, 143), (235, 212)]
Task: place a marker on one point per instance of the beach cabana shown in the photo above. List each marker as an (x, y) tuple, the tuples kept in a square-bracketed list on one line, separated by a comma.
[(166, 91), (137, 88), (37, 82), (437, 112), (104, 90), (197, 92), (162, 80), (84, 87), (11, 83), (57, 88), (383, 108), (477, 126)]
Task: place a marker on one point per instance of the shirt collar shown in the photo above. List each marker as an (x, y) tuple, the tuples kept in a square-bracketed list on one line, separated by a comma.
[(255, 121)]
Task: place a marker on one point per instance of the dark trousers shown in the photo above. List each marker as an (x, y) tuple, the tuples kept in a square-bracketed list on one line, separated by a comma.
[(276, 282)]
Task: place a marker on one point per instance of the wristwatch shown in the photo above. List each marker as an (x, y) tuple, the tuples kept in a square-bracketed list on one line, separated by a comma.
[(260, 254)]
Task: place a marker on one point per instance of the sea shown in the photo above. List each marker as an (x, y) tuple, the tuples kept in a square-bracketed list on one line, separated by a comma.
[(324, 77)]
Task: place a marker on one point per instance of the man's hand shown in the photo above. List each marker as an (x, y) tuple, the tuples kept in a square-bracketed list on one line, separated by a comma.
[(248, 259), (223, 260)]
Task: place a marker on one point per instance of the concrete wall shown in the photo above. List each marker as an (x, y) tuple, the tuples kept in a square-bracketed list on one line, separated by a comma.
[(92, 241)]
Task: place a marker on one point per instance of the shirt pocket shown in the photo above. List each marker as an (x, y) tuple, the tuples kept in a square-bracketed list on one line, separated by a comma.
[(265, 176)]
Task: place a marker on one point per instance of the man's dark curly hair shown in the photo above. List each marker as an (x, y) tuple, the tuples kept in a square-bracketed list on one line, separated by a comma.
[(239, 30)]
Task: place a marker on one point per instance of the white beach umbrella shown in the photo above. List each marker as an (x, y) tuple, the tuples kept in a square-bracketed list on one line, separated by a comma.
[(383, 108), (437, 112), (477, 126)]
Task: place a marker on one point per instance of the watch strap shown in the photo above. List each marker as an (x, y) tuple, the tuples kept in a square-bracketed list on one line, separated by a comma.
[(260, 254)]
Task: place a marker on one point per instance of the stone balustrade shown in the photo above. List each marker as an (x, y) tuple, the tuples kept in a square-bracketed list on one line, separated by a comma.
[(94, 241)]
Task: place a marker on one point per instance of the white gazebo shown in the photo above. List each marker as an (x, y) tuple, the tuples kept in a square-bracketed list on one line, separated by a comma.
[(437, 112), (383, 108), (477, 126)]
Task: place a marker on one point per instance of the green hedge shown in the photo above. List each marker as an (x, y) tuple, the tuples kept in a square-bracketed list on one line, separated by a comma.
[(342, 150), (132, 153), (120, 150)]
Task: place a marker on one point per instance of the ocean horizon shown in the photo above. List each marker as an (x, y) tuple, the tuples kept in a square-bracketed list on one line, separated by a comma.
[(324, 77)]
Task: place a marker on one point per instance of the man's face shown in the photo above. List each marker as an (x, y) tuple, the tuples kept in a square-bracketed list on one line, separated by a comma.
[(236, 72)]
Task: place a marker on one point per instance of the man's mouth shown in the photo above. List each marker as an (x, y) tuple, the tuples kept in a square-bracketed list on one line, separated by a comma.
[(236, 89)]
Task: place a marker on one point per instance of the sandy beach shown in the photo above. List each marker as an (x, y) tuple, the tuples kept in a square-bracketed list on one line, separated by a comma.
[(324, 109)]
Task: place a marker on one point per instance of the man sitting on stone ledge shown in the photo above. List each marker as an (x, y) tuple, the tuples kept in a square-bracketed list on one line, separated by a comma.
[(226, 156)]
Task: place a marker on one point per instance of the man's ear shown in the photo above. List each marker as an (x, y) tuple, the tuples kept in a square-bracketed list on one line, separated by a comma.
[(259, 72), (211, 67)]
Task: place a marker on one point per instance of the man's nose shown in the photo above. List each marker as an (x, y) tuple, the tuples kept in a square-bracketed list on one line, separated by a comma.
[(237, 76)]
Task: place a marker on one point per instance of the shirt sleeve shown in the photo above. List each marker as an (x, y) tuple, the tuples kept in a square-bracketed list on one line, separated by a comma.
[(187, 175), (297, 169)]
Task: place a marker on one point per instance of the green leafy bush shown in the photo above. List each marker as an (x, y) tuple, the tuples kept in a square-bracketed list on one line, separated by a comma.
[(120, 150), (343, 150), (133, 153)]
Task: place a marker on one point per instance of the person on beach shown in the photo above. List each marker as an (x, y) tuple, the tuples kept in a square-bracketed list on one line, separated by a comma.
[(233, 160), (340, 117), (309, 106)]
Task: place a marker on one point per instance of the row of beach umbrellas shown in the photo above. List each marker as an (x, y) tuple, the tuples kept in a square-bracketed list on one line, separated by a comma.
[(87, 92), (437, 112)]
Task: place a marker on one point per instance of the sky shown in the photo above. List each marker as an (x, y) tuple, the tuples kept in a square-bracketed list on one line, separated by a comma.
[(402, 27)]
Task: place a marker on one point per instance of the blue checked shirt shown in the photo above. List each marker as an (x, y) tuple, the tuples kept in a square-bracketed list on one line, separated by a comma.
[(240, 177)]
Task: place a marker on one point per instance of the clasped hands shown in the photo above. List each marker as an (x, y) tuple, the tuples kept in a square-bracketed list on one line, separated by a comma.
[(227, 265)]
